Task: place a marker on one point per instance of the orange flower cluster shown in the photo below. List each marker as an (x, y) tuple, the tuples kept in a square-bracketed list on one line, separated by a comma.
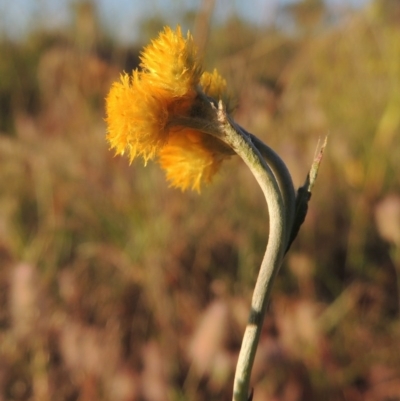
[(140, 109)]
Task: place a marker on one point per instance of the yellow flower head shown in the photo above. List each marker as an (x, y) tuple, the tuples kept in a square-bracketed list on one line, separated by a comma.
[(143, 110), (172, 64), (187, 161), (136, 119), (213, 84)]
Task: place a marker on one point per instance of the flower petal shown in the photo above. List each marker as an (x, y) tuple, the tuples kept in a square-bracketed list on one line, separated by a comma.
[(136, 117), (172, 64), (187, 162)]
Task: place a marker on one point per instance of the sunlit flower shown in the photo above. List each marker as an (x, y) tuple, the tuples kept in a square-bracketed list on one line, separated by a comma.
[(213, 84), (136, 120), (172, 64), (187, 161), (146, 111)]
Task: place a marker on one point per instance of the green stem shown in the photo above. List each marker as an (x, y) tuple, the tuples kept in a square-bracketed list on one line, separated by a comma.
[(283, 178), (275, 163), (272, 260), (280, 202)]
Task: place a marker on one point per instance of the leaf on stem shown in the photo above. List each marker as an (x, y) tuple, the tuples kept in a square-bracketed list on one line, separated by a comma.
[(304, 195)]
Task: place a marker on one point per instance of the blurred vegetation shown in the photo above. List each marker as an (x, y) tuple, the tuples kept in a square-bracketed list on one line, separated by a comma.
[(116, 287)]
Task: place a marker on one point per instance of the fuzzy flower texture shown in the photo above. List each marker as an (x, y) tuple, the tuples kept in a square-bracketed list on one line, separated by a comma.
[(142, 110)]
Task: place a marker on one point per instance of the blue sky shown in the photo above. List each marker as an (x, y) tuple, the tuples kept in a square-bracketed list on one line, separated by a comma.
[(123, 17)]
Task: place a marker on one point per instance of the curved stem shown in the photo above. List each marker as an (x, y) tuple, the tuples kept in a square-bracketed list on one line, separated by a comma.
[(282, 176), (272, 260), (273, 160), (253, 155)]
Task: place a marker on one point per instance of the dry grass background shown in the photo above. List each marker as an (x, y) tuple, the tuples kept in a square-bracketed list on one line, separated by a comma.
[(115, 287)]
